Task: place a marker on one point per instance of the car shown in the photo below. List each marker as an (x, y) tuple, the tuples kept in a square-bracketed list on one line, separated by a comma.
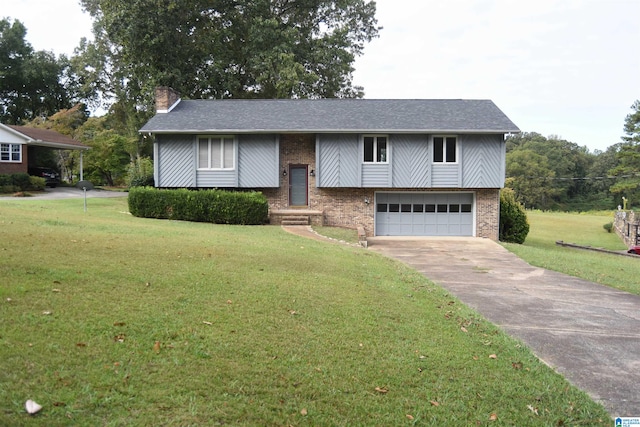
[(51, 177), (634, 250)]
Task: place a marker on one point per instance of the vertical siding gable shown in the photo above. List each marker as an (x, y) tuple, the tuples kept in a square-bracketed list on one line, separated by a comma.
[(483, 165), (258, 157), (337, 160), (175, 161)]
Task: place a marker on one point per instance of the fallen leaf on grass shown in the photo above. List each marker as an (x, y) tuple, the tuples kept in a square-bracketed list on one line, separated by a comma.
[(493, 356), (156, 347), (293, 312), (119, 323), (463, 329), (119, 338), (410, 417), (493, 417), (207, 323), (516, 365), (55, 290), (303, 411), (229, 301), (47, 313), (81, 344), (381, 390), (532, 409), (434, 403)]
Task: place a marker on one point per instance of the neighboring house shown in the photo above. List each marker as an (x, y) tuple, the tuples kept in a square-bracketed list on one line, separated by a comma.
[(394, 167), (15, 141)]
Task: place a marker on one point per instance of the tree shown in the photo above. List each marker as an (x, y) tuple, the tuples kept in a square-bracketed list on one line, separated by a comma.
[(228, 48), (529, 175), (32, 83), (628, 156)]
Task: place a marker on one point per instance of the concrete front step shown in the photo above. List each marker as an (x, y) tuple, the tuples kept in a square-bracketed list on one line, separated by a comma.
[(295, 220)]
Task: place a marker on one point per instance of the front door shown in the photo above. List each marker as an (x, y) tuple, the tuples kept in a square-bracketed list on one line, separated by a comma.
[(298, 185)]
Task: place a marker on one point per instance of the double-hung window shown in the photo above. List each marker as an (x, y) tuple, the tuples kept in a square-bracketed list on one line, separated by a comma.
[(376, 149), (216, 152), (445, 149), (10, 152)]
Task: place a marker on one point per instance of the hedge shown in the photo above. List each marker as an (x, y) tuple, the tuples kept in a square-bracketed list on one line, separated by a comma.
[(215, 206), (20, 182)]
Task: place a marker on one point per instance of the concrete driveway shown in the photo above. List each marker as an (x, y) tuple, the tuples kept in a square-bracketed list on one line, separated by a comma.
[(588, 332), (66, 193)]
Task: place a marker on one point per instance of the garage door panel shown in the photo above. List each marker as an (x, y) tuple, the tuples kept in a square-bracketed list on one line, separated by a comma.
[(424, 214)]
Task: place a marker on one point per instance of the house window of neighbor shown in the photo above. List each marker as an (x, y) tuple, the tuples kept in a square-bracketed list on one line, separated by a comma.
[(11, 153), (375, 149), (216, 152), (444, 149)]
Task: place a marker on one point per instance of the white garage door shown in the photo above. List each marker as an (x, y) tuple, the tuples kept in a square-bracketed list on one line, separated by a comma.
[(424, 214)]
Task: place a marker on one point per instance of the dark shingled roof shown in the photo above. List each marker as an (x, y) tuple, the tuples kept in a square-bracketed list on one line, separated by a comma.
[(49, 138), (332, 115)]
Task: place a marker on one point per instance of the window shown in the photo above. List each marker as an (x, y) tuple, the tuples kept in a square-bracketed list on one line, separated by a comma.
[(444, 149), (216, 152), (375, 149), (11, 153)]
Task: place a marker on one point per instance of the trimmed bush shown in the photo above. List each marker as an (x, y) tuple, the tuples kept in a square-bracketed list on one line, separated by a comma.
[(215, 206), (20, 182), (608, 226), (514, 225)]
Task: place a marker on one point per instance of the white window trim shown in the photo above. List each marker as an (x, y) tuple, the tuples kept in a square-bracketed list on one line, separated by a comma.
[(444, 149), (11, 144), (375, 149), (216, 137)]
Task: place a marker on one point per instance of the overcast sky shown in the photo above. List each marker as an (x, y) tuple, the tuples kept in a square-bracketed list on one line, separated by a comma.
[(567, 67)]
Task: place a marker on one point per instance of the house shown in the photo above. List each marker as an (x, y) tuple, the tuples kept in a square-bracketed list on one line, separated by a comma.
[(393, 167), (16, 143)]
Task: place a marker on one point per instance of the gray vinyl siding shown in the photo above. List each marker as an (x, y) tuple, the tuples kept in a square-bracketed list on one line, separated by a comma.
[(445, 175), (258, 157), (411, 161), (175, 162), (338, 160), (484, 161), (376, 175), (217, 178)]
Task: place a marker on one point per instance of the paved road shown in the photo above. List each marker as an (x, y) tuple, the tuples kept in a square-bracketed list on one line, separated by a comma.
[(589, 333), (67, 193)]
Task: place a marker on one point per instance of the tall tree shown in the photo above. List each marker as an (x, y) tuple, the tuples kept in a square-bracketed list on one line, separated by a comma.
[(230, 48), (628, 156), (32, 83)]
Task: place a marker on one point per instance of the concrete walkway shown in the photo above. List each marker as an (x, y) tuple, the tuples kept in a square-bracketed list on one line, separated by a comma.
[(588, 332)]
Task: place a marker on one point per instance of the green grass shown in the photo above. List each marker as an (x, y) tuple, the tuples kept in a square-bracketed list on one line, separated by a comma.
[(347, 235), (255, 327), (540, 248)]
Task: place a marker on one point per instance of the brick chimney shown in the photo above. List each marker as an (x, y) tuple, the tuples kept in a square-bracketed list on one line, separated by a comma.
[(166, 98)]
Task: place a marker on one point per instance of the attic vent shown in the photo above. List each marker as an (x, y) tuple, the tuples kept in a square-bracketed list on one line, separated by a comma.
[(166, 98)]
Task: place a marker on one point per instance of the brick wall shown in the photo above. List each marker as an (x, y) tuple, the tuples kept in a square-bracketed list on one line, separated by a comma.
[(352, 207), (8, 168)]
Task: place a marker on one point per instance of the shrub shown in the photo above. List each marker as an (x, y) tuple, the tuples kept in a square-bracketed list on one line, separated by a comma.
[(215, 206), (608, 226), (514, 226), (20, 182), (140, 173)]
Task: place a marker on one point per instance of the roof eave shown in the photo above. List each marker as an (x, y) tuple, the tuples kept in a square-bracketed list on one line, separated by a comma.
[(58, 145), (249, 131)]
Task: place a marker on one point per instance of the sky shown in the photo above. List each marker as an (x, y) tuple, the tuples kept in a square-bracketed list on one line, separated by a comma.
[(564, 68)]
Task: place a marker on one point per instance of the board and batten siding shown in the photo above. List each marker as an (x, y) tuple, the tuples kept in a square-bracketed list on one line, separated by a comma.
[(175, 161)]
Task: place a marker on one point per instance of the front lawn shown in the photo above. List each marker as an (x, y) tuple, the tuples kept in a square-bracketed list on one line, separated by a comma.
[(113, 320), (540, 248)]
